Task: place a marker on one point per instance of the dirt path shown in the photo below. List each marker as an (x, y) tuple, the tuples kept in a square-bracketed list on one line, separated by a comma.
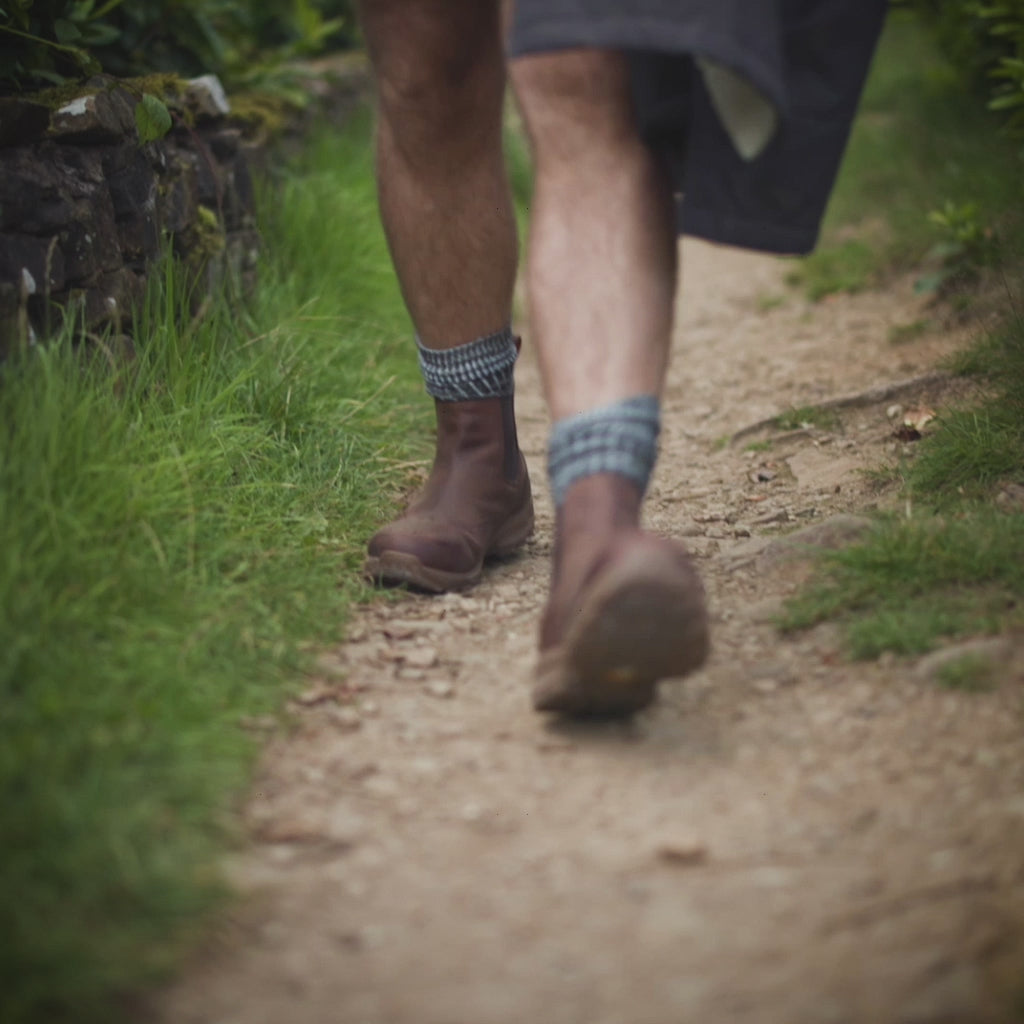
[(783, 838)]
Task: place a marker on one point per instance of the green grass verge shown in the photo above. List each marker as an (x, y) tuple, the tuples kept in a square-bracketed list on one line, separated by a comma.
[(914, 582), (976, 448), (174, 539), (955, 567), (923, 143)]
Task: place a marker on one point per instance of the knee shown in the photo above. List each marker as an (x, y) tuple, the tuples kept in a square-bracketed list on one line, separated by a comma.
[(573, 100), (435, 61)]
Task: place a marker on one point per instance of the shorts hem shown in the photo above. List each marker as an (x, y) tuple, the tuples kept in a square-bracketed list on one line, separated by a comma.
[(762, 236)]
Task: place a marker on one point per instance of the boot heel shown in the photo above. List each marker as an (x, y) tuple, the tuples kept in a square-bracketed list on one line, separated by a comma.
[(514, 534)]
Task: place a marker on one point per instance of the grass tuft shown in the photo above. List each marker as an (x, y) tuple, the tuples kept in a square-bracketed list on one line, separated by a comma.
[(849, 266), (976, 449), (912, 583), (973, 673), (805, 416), (901, 334)]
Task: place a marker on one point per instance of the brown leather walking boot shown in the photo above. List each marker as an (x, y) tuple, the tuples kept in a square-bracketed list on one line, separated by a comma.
[(475, 505), (626, 609)]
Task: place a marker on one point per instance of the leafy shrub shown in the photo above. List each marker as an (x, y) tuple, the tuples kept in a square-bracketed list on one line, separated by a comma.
[(48, 41), (967, 246), (985, 40)]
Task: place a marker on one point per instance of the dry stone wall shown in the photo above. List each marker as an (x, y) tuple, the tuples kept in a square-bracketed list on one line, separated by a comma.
[(86, 209)]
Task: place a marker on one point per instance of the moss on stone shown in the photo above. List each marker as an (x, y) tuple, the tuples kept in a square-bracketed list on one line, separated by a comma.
[(261, 111), (208, 234), (168, 86), (165, 85), (61, 95)]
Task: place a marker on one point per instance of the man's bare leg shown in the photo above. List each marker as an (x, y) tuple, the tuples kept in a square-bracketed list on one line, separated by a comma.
[(601, 279), (602, 258), (444, 195), (448, 216)]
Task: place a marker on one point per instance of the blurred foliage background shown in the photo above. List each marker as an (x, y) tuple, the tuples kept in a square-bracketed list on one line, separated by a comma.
[(986, 42), (48, 42)]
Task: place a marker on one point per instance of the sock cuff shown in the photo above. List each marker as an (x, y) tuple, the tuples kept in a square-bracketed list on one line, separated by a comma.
[(478, 369), (619, 438)]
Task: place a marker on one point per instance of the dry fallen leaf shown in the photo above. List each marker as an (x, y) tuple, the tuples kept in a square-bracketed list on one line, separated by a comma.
[(918, 418)]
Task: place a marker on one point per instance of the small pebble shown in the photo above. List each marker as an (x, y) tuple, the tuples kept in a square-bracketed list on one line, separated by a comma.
[(345, 718), (421, 657), (682, 853), (471, 812), (440, 689)]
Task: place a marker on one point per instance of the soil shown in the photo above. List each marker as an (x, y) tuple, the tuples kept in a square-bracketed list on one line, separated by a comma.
[(784, 837)]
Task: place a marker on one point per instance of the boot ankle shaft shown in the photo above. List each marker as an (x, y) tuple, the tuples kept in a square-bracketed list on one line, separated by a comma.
[(511, 439), (484, 427)]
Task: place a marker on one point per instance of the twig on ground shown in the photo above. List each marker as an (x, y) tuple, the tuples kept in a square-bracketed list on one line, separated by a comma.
[(872, 396)]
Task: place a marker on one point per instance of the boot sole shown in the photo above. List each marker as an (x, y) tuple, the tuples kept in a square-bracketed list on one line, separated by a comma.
[(396, 568), (644, 620)]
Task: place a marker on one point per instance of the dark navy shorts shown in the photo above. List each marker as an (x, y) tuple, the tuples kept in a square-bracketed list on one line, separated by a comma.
[(809, 57)]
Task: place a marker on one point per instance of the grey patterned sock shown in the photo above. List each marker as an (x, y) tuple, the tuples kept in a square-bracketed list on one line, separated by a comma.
[(479, 369), (619, 438)]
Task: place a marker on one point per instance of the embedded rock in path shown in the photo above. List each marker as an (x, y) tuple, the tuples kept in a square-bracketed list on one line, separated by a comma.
[(829, 535), (822, 469), (986, 652)]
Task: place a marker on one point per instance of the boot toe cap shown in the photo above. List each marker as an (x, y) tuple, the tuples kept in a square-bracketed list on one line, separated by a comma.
[(441, 552)]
